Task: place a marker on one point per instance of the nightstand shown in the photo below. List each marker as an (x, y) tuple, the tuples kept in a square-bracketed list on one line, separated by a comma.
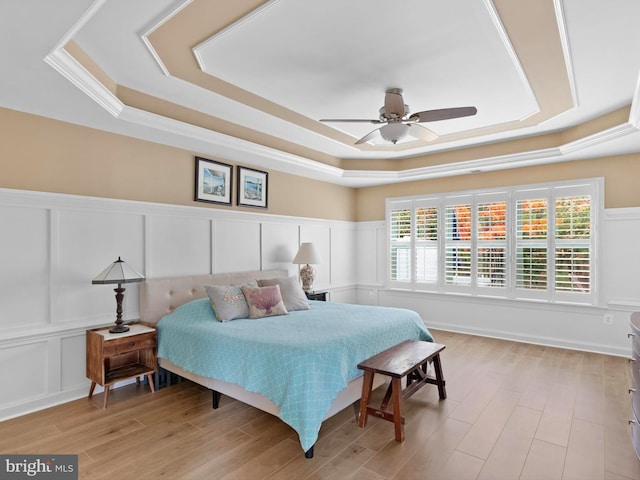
[(114, 357), (322, 296)]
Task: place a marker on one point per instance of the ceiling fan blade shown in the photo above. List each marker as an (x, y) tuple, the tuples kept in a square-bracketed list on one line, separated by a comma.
[(394, 103), (350, 120), (368, 136), (421, 133), (443, 114)]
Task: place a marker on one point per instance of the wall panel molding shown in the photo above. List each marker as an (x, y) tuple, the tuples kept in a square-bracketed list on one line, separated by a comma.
[(61, 241)]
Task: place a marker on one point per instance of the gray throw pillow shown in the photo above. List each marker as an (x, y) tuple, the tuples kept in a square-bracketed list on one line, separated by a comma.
[(228, 302)]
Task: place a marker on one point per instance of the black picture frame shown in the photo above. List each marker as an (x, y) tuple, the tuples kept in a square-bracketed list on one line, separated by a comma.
[(252, 188), (213, 182)]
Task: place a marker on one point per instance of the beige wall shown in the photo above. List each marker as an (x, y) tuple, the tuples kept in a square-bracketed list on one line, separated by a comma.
[(621, 176), (46, 155)]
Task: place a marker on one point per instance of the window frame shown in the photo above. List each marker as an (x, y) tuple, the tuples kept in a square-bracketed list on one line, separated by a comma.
[(593, 187)]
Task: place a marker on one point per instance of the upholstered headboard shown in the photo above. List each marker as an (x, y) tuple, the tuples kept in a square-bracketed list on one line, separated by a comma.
[(160, 296)]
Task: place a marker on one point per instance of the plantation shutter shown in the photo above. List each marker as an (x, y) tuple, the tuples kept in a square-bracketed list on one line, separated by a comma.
[(458, 234), (532, 245), (574, 243), (491, 243), (400, 237), (426, 243), (532, 242), (573, 255)]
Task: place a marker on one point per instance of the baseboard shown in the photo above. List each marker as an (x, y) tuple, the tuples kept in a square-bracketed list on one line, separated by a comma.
[(535, 340), (48, 401)]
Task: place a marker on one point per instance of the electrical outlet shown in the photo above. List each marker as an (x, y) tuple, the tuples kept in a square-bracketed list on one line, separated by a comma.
[(608, 319)]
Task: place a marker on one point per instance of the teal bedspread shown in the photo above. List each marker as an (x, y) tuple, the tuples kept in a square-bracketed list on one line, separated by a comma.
[(299, 361)]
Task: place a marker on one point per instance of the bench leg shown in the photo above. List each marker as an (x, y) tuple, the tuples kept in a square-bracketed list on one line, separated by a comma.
[(437, 366), (367, 385), (396, 383), (387, 397)]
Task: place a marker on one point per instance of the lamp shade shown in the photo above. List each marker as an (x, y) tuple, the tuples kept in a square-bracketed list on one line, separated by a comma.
[(307, 254), (118, 272)]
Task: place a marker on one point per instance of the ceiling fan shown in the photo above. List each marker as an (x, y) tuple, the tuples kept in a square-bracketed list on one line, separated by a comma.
[(399, 124)]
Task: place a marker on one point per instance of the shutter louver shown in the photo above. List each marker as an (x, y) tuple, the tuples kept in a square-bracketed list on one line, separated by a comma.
[(457, 260), (491, 244), (426, 244), (400, 233), (531, 244), (572, 244)]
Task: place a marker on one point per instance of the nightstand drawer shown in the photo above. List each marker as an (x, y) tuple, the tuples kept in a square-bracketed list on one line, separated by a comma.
[(129, 344)]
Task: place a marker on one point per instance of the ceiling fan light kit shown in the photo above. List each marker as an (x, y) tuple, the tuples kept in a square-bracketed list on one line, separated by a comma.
[(399, 124), (392, 132)]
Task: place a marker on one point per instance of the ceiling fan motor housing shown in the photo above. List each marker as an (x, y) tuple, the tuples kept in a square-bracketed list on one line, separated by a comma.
[(391, 117)]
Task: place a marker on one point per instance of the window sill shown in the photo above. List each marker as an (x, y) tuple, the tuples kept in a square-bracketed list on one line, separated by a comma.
[(494, 300)]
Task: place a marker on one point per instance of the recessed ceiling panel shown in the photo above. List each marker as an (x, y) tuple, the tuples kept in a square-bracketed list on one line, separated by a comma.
[(335, 59)]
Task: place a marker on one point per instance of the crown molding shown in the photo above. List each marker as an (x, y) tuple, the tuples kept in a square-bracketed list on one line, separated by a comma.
[(634, 115), (502, 34), (598, 138), (240, 150), (566, 49), (72, 70), (154, 25), (204, 44), (234, 148)]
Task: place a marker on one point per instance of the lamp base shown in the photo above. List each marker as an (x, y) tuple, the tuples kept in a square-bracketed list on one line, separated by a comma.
[(119, 329), (307, 275)]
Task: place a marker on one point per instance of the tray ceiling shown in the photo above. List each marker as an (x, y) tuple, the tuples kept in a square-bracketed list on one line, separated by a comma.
[(249, 80)]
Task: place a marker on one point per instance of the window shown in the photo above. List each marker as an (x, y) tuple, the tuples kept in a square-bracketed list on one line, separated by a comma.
[(426, 221), (528, 242), (401, 227)]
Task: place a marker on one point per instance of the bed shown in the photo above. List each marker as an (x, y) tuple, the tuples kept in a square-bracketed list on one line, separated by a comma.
[(301, 367)]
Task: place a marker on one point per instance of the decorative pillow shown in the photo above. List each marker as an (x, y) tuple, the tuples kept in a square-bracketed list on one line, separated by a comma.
[(292, 294), (264, 301), (228, 302)]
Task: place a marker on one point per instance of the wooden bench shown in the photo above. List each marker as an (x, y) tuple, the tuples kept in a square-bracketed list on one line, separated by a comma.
[(408, 359)]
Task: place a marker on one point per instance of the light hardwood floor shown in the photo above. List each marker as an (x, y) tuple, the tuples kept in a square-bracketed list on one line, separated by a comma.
[(514, 411)]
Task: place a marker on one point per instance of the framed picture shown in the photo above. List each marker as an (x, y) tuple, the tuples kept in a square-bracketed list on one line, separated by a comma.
[(213, 181), (252, 188)]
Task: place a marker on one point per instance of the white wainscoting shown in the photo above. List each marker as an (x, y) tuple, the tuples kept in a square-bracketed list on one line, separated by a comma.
[(576, 327), (52, 245)]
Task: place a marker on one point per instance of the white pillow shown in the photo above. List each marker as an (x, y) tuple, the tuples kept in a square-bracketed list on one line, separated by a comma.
[(292, 294)]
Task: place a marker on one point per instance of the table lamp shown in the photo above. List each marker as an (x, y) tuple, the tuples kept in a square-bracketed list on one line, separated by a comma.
[(118, 272), (307, 255)]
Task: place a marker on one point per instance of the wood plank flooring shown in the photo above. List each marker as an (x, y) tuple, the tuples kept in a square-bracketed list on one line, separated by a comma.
[(514, 411)]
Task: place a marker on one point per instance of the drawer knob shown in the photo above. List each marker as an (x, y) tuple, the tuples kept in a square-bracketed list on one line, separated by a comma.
[(629, 335), (631, 390), (632, 422), (131, 344)]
